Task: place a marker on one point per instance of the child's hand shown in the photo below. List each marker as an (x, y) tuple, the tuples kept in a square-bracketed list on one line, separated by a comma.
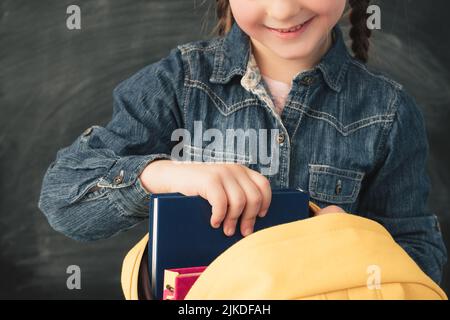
[(231, 189), (330, 209)]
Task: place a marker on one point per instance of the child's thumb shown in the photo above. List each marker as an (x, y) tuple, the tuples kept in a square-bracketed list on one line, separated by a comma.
[(330, 209)]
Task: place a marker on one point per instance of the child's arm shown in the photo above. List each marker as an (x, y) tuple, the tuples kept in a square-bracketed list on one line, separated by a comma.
[(396, 193), (91, 190)]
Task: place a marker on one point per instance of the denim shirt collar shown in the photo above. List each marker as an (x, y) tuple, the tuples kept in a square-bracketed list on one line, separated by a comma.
[(232, 57)]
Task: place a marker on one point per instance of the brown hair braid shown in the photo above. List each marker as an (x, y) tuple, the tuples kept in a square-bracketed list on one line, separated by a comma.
[(359, 33)]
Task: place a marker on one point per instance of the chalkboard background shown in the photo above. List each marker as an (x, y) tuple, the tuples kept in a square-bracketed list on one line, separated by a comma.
[(54, 83)]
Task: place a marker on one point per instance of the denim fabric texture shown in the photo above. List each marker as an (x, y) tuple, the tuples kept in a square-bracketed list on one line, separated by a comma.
[(347, 135)]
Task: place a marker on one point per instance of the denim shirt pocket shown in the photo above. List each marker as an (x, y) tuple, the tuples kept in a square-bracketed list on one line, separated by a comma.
[(331, 185)]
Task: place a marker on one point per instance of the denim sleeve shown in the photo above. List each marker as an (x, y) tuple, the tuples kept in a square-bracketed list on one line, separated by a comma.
[(91, 190), (396, 193)]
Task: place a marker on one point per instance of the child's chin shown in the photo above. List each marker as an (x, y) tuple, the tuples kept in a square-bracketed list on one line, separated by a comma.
[(293, 53)]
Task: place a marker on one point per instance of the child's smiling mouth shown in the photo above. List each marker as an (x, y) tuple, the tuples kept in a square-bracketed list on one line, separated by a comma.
[(292, 32)]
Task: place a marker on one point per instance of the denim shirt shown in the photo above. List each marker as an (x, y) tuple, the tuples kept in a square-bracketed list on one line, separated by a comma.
[(346, 135)]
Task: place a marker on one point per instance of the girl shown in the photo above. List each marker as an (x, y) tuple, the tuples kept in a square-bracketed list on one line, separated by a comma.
[(354, 139)]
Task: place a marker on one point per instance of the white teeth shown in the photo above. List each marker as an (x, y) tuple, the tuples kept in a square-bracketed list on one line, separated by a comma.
[(290, 30)]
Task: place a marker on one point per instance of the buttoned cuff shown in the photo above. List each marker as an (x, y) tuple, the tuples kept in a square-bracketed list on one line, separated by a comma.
[(128, 193)]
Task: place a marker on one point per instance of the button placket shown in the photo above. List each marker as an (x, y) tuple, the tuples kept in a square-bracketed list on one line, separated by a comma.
[(252, 82)]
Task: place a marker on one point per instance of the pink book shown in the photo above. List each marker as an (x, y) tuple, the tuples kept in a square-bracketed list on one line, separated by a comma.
[(178, 282)]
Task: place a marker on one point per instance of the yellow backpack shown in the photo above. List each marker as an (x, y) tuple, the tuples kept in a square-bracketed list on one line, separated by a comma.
[(332, 256)]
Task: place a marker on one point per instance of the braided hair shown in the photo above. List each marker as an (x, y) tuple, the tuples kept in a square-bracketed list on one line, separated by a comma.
[(359, 33)]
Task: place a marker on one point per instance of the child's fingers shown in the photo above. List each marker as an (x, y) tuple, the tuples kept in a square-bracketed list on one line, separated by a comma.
[(330, 209), (236, 203), (217, 198), (252, 205), (263, 185)]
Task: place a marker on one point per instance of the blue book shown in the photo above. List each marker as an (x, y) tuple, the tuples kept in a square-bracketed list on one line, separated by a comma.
[(181, 235)]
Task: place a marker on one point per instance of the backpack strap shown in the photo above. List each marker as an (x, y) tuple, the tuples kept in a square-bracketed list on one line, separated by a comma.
[(131, 267)]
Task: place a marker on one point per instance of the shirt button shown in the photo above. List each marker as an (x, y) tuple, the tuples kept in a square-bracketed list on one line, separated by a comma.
[(307, 81), (88, 131), (118, 179), (338, 187), (281, 138)]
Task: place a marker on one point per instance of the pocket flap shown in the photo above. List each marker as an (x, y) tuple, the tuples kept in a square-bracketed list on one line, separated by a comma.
[(330, 184)]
